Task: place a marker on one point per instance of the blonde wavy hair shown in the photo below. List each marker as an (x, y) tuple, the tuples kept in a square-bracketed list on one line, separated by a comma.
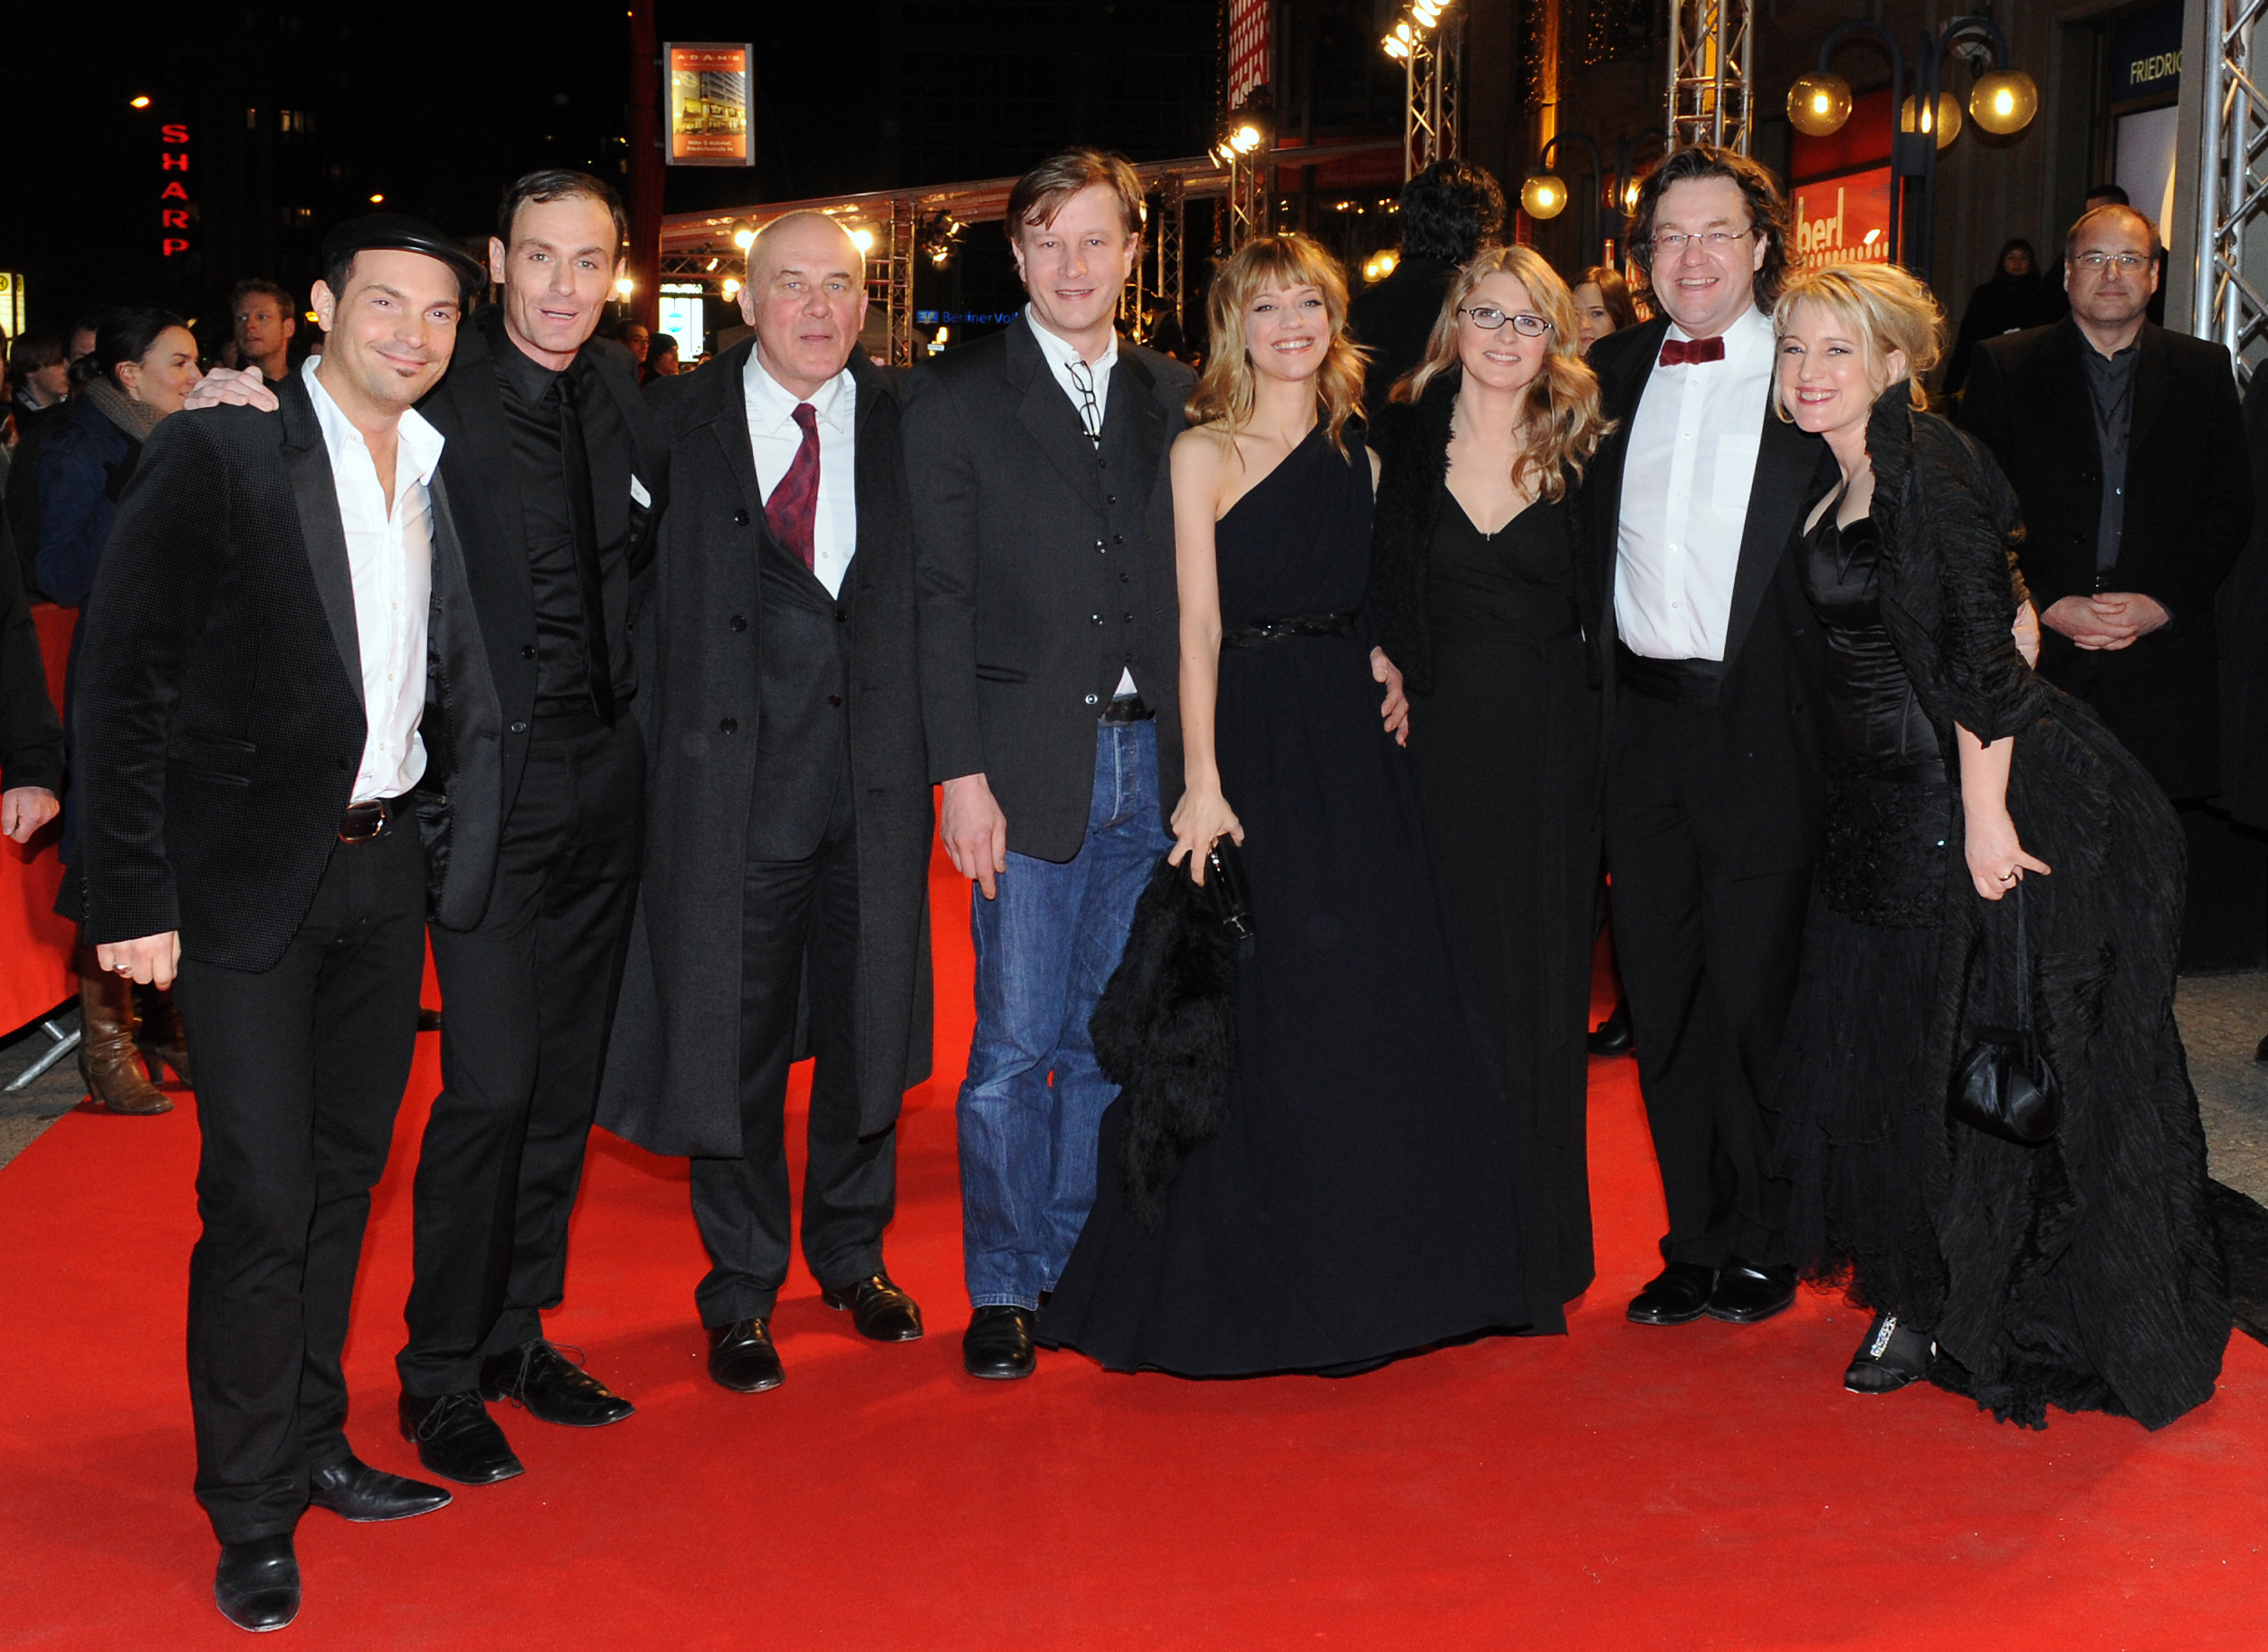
[(1887, 308), (1562, 410), (1275, 263)]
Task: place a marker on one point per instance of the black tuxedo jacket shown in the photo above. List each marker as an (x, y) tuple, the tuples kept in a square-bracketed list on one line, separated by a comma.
[(218, 717), (1767, 753), (1043, 569), (2189, 507), (729, 649), (483, 479)]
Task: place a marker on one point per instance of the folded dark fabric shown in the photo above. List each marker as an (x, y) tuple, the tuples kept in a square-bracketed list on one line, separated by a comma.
[(1165, 1033)]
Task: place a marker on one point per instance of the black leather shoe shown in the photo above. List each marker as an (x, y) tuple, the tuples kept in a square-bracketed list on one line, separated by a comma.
[(741, 1356), (2260, 1051), (353, 1490), (428, 1020), (1612, 1035), (541, 1380), (256, 1586), (1678, 1296), (457, 1439), (1892, 1356), (998, 1343), (1746, 1293), (879, 1310)]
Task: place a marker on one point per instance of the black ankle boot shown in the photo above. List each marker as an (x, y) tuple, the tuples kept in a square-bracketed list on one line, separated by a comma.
[(1892, 1356)]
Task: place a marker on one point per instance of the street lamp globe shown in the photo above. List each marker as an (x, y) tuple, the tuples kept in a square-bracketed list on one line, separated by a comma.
[(1944, 121), (1818, 105), (2004, 101), (1544, 196)]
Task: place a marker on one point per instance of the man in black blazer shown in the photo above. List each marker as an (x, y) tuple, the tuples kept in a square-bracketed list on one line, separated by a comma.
[(1044, 555), (1711, 655), (31, 737), (2126, 445), (1448, 212), (259, 693), (788, 806)]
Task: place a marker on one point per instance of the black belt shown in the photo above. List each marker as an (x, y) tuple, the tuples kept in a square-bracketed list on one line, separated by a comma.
[(1291, 625), (1683, 682), (363, 821), (1127, 709), (1930, 771)]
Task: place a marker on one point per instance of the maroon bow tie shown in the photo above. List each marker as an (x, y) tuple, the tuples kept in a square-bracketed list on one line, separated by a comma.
[(1679, 352)]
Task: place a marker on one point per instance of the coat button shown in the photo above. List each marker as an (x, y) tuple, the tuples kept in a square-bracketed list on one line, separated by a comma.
[(1094, 700), (834, 700), (738, 623), (519, 728), (1110, 498), (841, 617), (1098, 545), (1094, 618), (527, 650), (726, 725), (1125, 579), (1118, 539), (1130, 618), (739, 519)]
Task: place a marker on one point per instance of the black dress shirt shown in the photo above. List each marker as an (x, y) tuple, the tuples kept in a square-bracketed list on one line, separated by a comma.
[(531, 394), (2111, 385)]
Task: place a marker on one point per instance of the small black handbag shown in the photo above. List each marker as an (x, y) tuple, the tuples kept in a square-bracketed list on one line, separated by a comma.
[(2004, 1085)]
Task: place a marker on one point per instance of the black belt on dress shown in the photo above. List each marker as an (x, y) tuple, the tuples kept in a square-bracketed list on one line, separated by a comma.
[(1291, 625), (1684, 682), (363, 821), (1930, 771)]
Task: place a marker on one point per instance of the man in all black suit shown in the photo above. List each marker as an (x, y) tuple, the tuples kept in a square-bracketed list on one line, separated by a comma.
[(1044, 554), (1711, 654), (2126, 445), (1449, 211), (788, 808), (30, 737), (259, 693)]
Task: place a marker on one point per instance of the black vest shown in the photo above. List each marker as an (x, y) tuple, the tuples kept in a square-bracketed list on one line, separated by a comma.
[(803, 730), (1121, 592)]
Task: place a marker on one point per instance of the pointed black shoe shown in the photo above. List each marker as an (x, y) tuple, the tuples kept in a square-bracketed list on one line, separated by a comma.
[(353, 1490), (741, 1357), (878, 1309), (256, 1586), (457, 1439), (997, 1345), (545, 1383), (1891, 1357), (1678, 1296), (1747, 1294), (1612, 1035)]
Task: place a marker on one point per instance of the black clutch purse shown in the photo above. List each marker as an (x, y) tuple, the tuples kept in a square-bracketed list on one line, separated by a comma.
[(1227, 894), (2004, 1085)]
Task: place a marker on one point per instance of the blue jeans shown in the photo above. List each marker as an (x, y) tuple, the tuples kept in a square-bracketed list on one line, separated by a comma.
[(1045, 947)]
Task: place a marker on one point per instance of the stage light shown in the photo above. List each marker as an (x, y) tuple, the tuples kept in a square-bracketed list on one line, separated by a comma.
[(137, 103), (744, 238), (1245, 139), (377, 201), (1395, 49), (1630, 195), (1544, 196), (1818, 105), (2004, 101), (732, 287), (864, 240), (624, 286), (1944, 121)]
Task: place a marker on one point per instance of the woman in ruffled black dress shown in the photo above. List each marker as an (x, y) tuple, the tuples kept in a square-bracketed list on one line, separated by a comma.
[(2082, 1272)]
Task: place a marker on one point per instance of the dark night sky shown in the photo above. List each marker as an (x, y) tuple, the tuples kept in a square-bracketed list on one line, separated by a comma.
[(850, 97)]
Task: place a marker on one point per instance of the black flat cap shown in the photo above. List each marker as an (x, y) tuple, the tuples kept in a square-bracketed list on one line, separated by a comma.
[(397, 232)]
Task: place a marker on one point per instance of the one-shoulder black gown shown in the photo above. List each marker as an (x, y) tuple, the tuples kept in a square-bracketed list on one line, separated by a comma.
[(1362, 1200)]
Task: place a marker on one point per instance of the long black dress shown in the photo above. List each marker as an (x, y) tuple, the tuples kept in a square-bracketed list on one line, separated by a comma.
[(1505, 738), (1361, 1201), (2082, 1272)]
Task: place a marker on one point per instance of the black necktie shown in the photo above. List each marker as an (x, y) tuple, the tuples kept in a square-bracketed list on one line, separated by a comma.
[(577, 462)]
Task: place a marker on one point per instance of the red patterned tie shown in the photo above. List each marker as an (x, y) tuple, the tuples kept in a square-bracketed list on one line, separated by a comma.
[(1683, 352), (794, 505)]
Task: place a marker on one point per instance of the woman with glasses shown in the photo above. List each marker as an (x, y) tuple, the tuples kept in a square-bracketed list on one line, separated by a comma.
[(1360, 1200), (1474, 581)]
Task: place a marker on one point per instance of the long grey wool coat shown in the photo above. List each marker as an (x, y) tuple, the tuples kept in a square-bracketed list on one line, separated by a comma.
[(672, 1083)]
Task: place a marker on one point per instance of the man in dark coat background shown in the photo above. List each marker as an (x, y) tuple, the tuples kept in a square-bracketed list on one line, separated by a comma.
[(2126, 445), (1450, 212), (789, 811)]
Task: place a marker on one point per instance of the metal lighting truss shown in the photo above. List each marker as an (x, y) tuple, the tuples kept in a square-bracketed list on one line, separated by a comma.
[(1711, 72), (2232, 180), (1433, 87)]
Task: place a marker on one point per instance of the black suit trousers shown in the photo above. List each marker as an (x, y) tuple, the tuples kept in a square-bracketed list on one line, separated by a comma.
[(1708, 962), (527, 998), (798, 940), (300, 1070)]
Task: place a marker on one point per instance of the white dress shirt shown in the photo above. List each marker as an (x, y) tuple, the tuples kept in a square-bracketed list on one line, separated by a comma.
[(1691, 459), (390, 561), (775, 438), (1078, 376)]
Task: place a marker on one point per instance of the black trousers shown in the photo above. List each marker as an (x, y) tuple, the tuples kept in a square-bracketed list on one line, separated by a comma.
[(527, 1000), (1708, 961), (799, 931), (300, 1070)]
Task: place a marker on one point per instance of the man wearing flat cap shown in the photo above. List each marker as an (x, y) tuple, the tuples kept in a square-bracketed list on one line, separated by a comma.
[(278, 678)]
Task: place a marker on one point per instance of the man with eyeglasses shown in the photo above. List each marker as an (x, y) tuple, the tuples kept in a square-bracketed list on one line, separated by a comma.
[(1714, 792), (2125, 445)]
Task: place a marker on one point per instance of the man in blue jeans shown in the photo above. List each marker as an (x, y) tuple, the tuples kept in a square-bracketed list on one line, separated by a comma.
[(1044, 553)]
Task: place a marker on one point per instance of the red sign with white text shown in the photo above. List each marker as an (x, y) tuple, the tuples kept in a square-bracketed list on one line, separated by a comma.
[(1843, 220)]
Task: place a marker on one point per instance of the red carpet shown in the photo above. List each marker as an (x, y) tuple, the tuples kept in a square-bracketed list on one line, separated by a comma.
[(1619, 1487)]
